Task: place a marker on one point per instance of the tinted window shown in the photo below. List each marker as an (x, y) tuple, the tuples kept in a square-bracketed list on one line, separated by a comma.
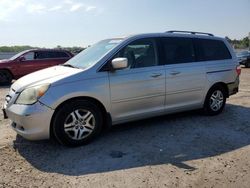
[(243, 54), (208, 50), (178, 50), (50, 55), (61, 55), (42, 55), (141, 53)]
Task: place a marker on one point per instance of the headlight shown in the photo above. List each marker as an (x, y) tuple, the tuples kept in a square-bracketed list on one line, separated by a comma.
[(32, 94)]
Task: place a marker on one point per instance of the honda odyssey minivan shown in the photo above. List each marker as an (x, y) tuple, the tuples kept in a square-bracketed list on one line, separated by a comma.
[(124, 79)]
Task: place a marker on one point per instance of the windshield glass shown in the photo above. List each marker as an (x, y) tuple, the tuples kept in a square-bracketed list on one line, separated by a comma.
[(93, 54), (243, 53), (17, 55)]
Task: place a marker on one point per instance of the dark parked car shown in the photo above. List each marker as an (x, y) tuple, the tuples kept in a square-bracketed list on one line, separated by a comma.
[(29, 61), (244, 58)]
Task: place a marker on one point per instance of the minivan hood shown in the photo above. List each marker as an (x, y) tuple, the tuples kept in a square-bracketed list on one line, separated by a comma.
[(49, 75)]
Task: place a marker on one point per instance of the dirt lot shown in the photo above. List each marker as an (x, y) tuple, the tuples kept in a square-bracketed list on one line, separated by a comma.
[(182, 150)]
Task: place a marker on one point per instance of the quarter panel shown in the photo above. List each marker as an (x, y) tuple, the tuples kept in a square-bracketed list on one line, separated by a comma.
[(221, 71)]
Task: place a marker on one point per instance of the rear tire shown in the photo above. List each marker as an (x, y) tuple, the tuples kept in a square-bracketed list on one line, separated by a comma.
[(77, 123), (215, 100), (5, 77)]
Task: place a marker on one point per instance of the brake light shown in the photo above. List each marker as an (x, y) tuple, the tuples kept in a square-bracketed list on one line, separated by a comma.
[(238, 70)]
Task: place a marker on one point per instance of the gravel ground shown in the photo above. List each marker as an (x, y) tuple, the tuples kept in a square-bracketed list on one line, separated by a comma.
[(181, 150)]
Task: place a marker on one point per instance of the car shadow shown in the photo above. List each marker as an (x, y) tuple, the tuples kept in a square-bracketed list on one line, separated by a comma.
[(2, 86), (6, 85), (171, 139)]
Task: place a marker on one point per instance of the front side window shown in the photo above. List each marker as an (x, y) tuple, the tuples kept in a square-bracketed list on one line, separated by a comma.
[(178, 50), (141, 53), (211, 50), (29, 56)]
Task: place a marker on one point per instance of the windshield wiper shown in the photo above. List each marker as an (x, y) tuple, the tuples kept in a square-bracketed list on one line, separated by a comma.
[(69, 65)]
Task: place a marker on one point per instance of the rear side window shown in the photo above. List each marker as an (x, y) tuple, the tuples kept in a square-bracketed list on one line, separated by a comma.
[(51, 55), (178, 50), (42, 55), (61, 55), (211, 50)]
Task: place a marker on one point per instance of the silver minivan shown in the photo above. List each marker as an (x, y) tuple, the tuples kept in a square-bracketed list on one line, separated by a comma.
[(124, 79)]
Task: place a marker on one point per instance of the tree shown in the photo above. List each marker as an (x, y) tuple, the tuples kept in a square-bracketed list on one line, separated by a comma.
[(245, 42)]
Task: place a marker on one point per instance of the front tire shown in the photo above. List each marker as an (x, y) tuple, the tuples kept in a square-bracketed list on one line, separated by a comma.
[(77, 123), (215, 101)]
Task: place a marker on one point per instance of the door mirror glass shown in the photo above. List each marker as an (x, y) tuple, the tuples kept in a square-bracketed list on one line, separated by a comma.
[(119, 63)]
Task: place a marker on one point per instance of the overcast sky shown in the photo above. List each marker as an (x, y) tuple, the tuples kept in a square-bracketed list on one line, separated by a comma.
[(48, 23)]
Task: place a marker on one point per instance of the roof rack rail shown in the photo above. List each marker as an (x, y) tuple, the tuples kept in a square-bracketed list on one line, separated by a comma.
[(191, 32)]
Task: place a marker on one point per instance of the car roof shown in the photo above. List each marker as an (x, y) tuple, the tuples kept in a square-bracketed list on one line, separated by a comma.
[(51, 50), (166, 34), (45, 49), (174, 33)]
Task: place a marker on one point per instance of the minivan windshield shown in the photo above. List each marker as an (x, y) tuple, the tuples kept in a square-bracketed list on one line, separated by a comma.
[(93, 54)]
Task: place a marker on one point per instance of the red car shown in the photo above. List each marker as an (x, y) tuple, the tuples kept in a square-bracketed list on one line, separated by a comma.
[(29, 61)]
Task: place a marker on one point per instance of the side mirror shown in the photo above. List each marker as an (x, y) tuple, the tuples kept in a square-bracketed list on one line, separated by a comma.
[(22, 58), (119, 63)]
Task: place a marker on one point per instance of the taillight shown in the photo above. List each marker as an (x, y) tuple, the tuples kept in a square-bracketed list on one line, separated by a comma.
[(238, 70)]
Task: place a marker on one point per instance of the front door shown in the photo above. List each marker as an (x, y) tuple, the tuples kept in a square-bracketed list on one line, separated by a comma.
[(26, 66), (139, 90)]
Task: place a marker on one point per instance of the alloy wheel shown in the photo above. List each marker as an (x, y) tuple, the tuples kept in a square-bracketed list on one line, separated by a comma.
[(216, 100), (79, 124)]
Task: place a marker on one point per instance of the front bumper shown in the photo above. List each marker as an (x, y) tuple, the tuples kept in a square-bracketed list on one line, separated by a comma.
[(30, 121)]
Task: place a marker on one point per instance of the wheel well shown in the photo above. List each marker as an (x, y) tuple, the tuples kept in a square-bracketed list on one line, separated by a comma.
[(222, 84), (106, 116), (8, 71)]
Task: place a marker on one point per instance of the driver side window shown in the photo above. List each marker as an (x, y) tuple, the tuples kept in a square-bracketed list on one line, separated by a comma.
[(29, 56), (140, 53)]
